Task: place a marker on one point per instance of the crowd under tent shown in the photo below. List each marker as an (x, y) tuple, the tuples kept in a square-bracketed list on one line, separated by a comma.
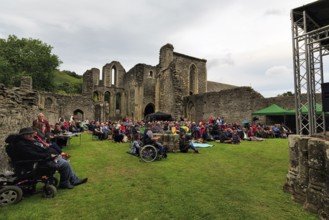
[(275, 114)]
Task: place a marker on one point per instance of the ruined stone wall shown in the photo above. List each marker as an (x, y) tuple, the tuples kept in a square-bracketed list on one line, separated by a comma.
[(183, 65), (90, 79), (175, 79), (107, 74), (166, 56), (64, 106), (288, 102), (166, 92), (140, 89), (113, 68), (165, 101), (149, 85), (111, 87), (18, 108), (308, 174), (232, 104), (131, 85)]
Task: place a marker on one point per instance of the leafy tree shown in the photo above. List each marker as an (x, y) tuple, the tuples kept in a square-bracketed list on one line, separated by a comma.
[(28, 57), (5, 72), (286, 94)]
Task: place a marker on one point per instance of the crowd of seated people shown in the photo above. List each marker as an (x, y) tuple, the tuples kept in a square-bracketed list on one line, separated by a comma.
[(215, 128)]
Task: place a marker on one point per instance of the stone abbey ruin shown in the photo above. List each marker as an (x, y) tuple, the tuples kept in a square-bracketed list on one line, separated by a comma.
[(177, 85)]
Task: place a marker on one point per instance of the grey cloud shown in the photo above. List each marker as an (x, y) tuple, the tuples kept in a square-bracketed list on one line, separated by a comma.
[(87, 34), (226, 59), (274, 12)]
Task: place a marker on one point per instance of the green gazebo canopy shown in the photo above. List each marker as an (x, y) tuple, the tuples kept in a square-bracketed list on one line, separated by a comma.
[(271, 110), (318, 109), (277, 110)]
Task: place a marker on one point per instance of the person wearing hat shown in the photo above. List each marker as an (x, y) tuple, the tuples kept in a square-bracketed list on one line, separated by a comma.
[(25, 147)]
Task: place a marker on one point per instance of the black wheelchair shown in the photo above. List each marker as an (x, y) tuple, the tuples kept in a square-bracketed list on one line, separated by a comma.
[(23, 181), (149, 153)]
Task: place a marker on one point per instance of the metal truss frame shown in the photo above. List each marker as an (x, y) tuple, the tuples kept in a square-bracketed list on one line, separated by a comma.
[(308, 51)]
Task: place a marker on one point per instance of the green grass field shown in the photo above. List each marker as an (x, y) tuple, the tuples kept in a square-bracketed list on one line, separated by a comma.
[(223, 182)]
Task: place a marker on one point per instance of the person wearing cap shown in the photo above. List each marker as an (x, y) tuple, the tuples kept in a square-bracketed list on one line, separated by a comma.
[(26, 147)]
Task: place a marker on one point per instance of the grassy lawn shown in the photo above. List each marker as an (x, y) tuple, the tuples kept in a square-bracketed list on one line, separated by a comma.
[(223, 182)]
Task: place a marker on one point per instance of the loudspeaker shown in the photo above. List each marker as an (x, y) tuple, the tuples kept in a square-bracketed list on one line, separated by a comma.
[(325, 97)]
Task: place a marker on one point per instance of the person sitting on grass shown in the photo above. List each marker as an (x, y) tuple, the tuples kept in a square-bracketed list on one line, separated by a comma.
[(117, 135), (185, 143), (252, 135), (235, 137), (25, 147), (101, 131)]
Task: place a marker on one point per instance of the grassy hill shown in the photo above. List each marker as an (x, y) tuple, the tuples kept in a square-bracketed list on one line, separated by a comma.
[(67, 82)]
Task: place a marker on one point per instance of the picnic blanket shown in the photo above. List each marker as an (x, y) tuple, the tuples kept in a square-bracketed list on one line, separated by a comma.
[(202, 145)]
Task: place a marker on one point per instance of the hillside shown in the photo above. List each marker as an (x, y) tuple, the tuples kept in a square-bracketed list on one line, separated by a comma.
[(67, 82)]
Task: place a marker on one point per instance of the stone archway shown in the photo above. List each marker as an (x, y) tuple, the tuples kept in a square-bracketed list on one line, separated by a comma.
[(149, 109), (95, 96), (78, 115), (49, 103)]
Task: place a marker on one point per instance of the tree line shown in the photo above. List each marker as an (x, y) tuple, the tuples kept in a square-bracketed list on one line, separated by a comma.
[(32, 57)]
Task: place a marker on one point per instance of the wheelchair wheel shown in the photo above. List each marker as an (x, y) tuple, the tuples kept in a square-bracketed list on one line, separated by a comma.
[(148, 153), (53, 181), (10, 195), (49, 191)]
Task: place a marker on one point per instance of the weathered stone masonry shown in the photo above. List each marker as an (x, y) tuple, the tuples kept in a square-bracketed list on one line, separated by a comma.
[(20, 106), (308, 174)]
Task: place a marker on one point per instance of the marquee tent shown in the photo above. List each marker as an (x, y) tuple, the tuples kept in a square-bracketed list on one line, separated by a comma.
[(271, 110)]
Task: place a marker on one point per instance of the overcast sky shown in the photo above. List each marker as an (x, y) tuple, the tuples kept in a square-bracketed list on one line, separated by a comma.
[(245, 43)]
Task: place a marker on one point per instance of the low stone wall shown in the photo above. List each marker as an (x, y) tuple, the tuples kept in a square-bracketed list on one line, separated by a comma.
[(18, 108), (308, 175)]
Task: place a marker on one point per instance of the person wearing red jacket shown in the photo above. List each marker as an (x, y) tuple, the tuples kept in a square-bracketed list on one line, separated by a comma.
[(41, 118)]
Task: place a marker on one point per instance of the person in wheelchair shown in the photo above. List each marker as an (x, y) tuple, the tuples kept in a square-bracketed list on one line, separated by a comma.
[(26, 147), (149, 139)]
